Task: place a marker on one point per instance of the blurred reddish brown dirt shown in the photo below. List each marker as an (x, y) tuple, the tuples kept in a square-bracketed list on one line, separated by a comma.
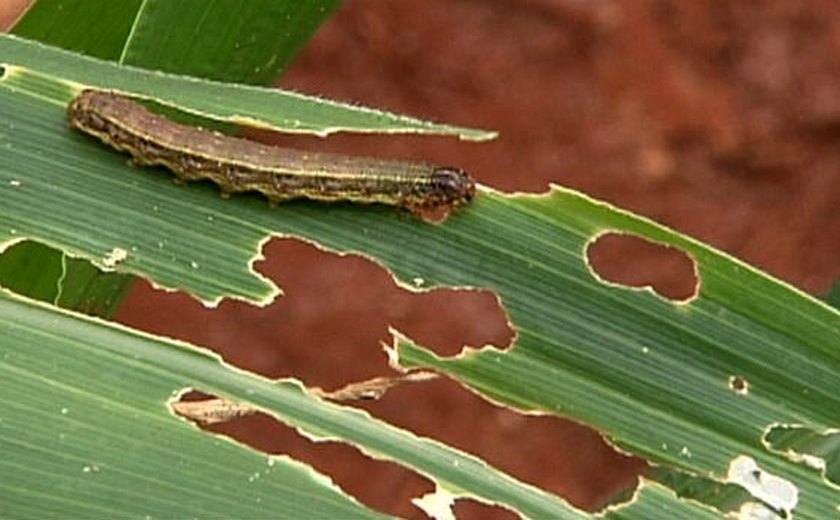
[(10, 11), (720, 119)]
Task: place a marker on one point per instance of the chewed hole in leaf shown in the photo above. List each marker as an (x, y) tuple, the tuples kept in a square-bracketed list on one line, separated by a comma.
[(632, 261), (385, 487), (816, 449), (51, 267), (726, 498), (326, 331), (739, 385), (328, 327), (36, 257), (554, 454)]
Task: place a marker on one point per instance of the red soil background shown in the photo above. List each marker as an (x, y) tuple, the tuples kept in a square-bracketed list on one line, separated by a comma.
[(719, 119)]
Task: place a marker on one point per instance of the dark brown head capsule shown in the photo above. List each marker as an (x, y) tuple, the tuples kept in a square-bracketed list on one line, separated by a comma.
[(455, 185), (445, 188)]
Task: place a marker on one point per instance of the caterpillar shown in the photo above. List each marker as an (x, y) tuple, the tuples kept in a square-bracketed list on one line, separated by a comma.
[(241, 165)]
